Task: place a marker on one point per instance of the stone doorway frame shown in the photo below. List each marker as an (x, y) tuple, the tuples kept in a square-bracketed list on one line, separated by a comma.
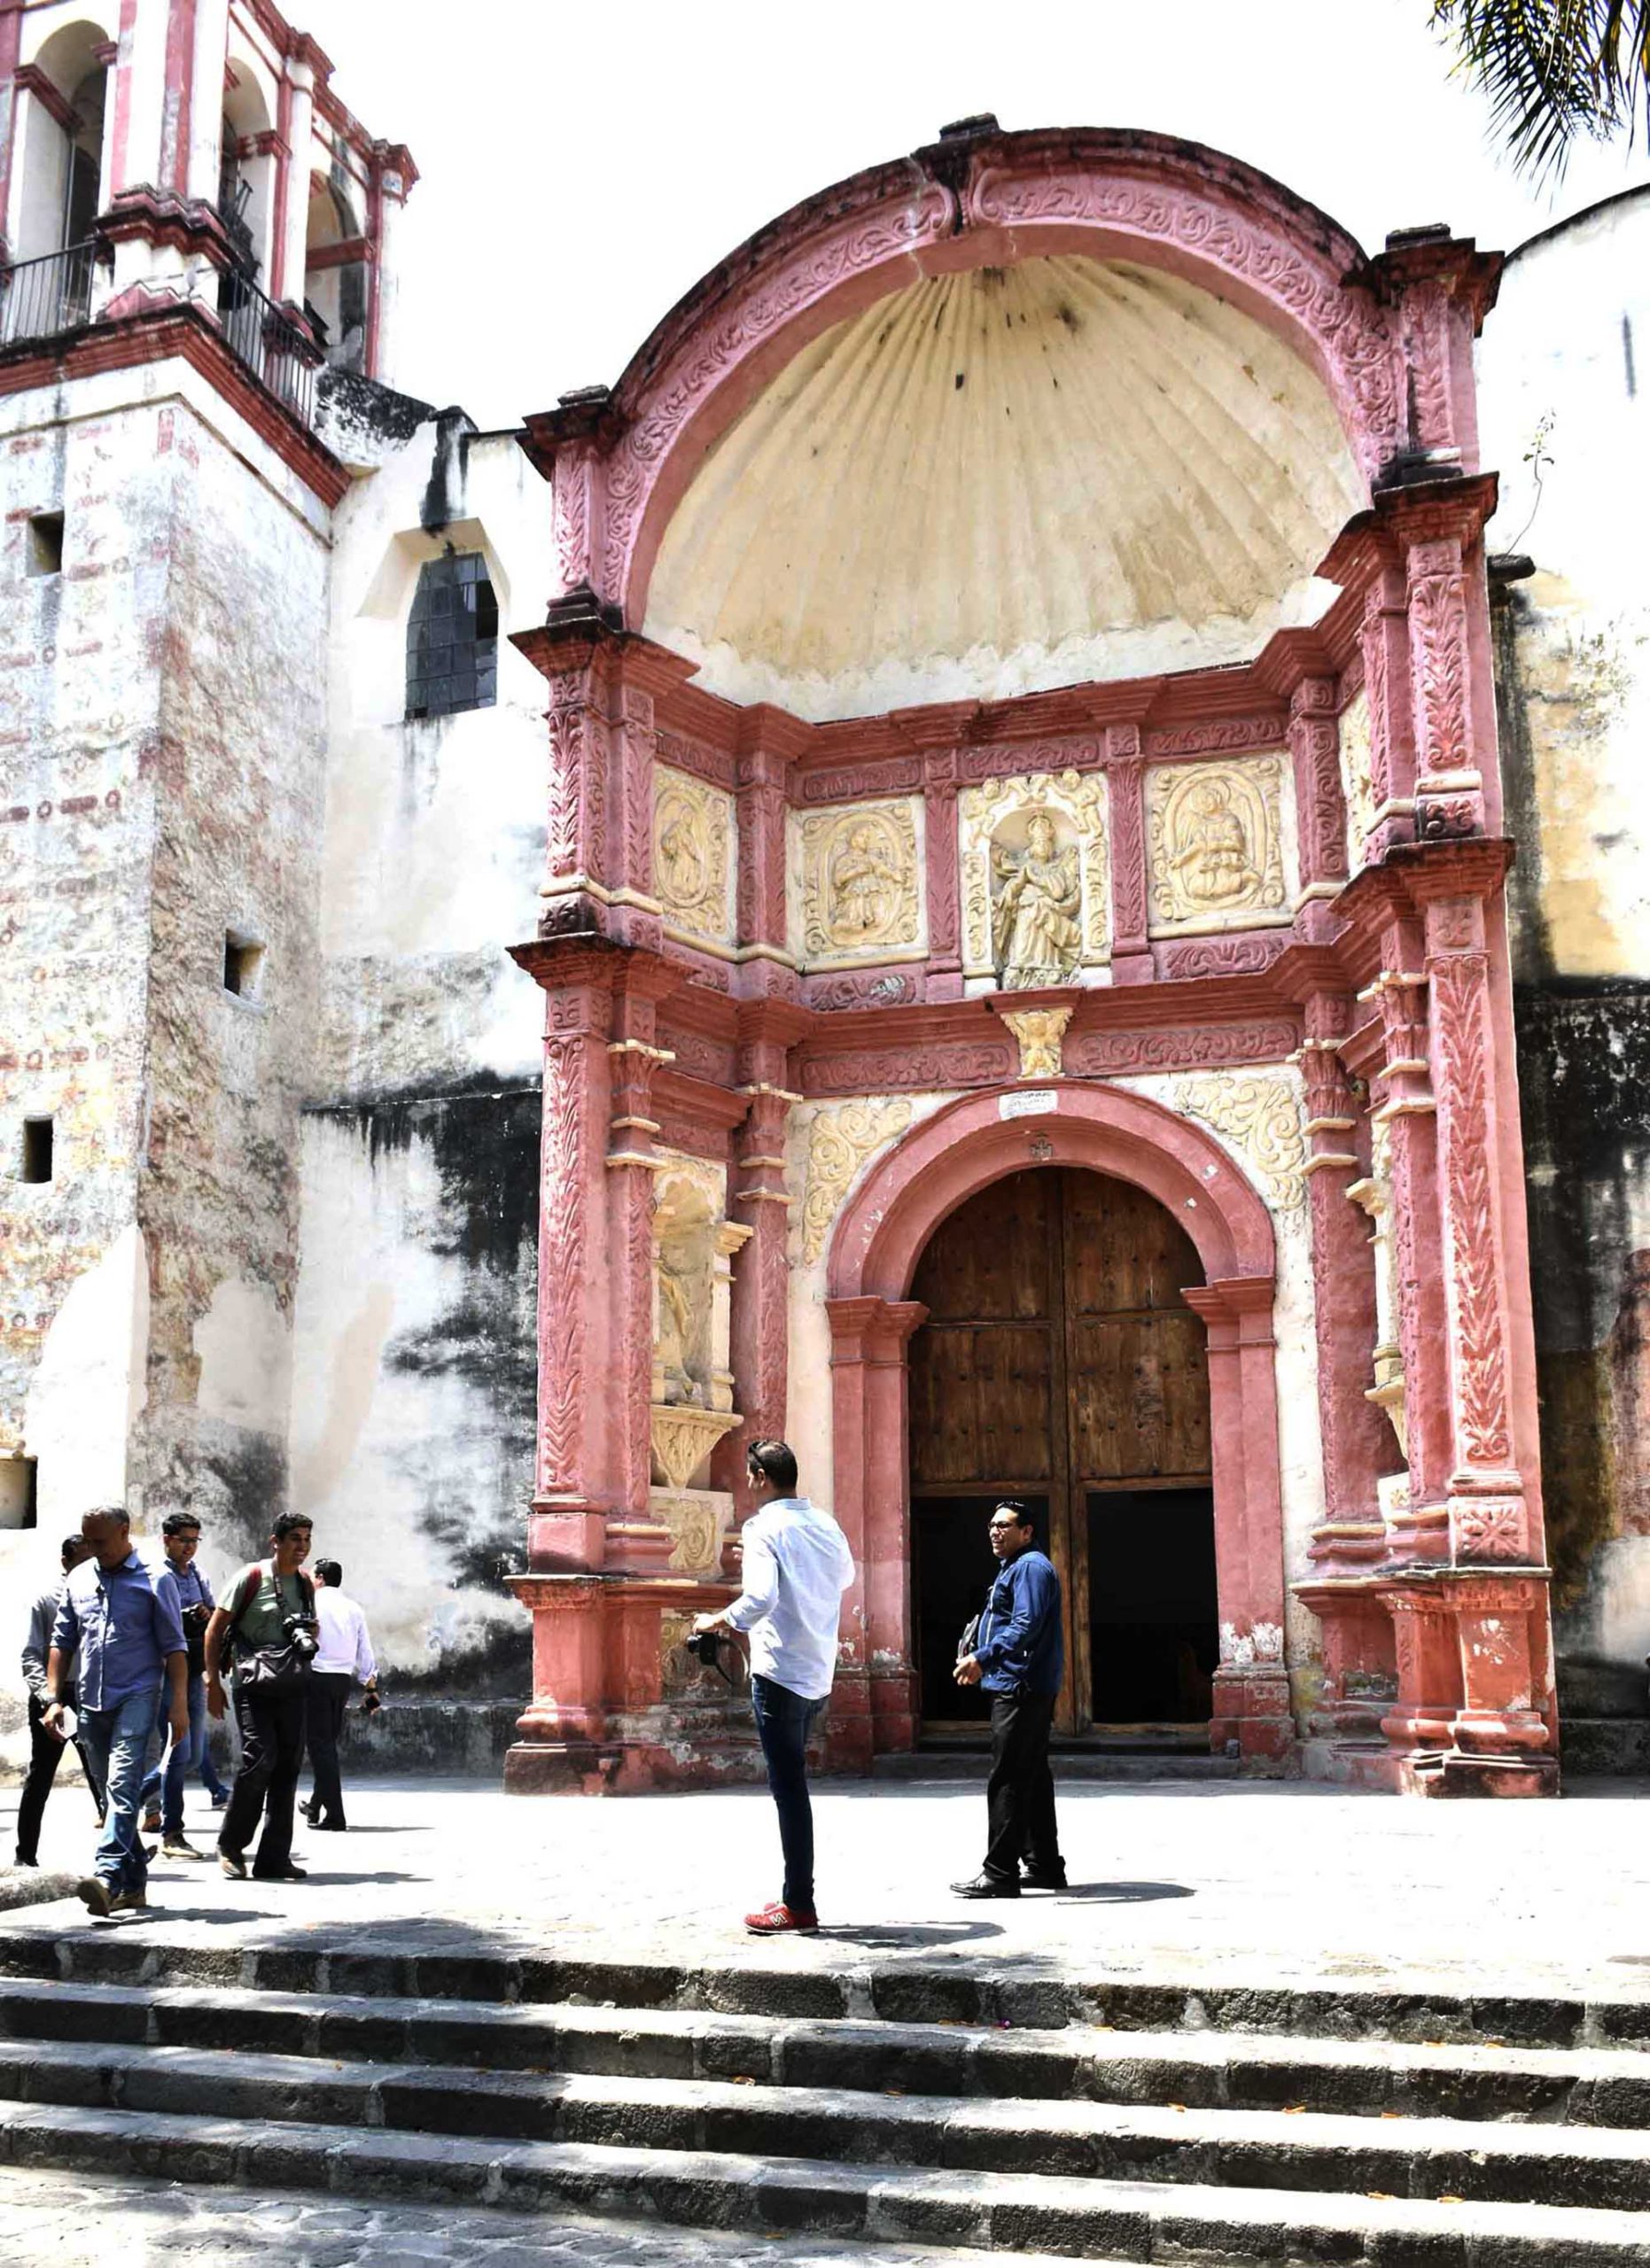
[(880, 1236)]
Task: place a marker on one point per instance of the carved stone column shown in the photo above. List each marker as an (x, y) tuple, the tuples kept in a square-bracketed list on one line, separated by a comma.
[(1319, 801), (944, 906), (761, 1287), (1125, 778), (874, 1704), (1384, 637)]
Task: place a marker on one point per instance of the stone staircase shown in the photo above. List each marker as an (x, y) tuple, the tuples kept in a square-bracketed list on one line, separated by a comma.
[(922, 2099)]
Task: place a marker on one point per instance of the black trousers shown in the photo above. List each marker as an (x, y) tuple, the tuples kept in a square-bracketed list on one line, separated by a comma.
[(323, 1718), (45, 1753), (1020, 1794), (272, 1756)]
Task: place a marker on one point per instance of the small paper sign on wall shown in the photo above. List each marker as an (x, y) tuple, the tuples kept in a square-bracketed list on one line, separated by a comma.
[(1035, 1105)]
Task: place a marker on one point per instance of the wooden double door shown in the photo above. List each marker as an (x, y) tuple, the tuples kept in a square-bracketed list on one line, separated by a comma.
[(1061, 1365)]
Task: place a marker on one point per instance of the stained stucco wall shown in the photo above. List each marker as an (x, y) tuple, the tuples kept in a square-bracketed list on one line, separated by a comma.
[(1567, 357)]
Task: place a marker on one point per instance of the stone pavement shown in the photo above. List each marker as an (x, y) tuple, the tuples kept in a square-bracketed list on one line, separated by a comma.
[(1283, 1882)]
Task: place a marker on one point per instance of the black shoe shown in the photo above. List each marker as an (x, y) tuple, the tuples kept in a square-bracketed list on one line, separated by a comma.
[(307, 1809), (1031, 1880), (986, 1886), (22, 1861), (327, 1826), (279, 1873)]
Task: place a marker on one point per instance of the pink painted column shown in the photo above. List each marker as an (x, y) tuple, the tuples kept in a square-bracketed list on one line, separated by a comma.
[(1319, 802), (1126, 790), (944, 904), (11, 109), (1383, 636), (872, 1707), (1251, 1685), (761, 1284)]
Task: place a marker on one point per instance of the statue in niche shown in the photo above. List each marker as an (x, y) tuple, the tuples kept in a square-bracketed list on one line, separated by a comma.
[(684, 857), (683, 1296), (1037, 933), (1211, 860), (866, 886)]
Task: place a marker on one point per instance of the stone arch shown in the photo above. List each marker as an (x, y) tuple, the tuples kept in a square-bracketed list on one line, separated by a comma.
[(879, 1238), (987, 201)]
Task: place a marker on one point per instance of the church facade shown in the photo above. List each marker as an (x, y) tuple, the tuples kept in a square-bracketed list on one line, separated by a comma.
[(973, 932)]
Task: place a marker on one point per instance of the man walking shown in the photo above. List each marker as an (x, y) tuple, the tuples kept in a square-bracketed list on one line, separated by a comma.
[(797, 1565), (344, 1657), (46, 1748), (1019, 1658), (180, 1535), (123, 1617), (268, 1624)]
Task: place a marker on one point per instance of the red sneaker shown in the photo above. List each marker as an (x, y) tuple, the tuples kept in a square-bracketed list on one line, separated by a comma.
[(771, 1919)]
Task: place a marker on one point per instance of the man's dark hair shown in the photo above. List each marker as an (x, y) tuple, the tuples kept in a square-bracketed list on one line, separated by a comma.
[(71, 1544), (179, 1524), (285, 1522), (329, 1571), (776, 1462), (1022, 1516)]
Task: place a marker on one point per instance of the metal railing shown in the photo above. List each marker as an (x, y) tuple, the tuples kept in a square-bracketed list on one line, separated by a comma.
[(269, 343), (41, 297)]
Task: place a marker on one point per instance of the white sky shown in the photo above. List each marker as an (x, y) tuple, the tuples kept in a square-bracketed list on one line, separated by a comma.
[(583, 163)]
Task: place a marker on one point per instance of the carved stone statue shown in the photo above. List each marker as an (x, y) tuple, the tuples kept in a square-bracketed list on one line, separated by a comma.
[(1211, 859), (866, 887), (683, 856), (1037, 933)]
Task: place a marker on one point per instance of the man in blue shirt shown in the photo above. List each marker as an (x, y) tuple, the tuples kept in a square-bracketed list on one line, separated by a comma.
[(180, 1538), (1019, 1658), (123, 1617)]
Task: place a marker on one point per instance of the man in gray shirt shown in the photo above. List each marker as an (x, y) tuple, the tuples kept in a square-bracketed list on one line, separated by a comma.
[(46, 1747)]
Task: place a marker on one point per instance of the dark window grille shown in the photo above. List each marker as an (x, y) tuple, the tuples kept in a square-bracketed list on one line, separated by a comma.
[(452, 638), (37, 1149)]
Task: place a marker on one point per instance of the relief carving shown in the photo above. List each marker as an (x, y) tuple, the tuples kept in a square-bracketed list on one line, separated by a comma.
[(1041, 1034), (859, 882), (839, 1143), (691, 1395), (1262, 1116), (1215, 846), (693, 832), (1034, 878), (1357, 779)]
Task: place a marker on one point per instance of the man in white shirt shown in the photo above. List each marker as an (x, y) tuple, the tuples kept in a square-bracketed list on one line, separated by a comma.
[(343, 1658), (796, 1566)]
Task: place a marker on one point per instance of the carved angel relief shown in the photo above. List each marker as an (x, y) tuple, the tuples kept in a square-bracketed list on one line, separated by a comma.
[(693, 836), (1215, 848), (860, 888), (1034, 878)]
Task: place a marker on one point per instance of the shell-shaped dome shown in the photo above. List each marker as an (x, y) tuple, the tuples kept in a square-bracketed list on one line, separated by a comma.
[(998, 481)]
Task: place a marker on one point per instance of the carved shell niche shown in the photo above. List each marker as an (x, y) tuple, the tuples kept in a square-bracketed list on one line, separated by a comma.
[(1214, 838)]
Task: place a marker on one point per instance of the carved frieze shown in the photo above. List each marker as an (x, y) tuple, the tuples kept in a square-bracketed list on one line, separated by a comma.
[(857, 892), (1035, 880), (1215, 845), (1261, 1116), (1194, 957), (944, 1063), (1097, 1054), (839, 1143), (694, 835)]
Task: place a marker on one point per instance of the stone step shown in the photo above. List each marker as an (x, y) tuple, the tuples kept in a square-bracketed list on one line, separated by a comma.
[(769, 1984), (1588, 2087), (1085, 2219), (1100, 1764), (1420, 2159)]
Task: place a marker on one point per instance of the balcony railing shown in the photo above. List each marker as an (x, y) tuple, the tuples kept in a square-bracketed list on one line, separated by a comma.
[(41, 297), (270, 344)]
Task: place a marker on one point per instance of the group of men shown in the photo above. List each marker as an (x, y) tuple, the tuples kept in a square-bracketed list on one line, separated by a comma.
[(125, 1651), (795, 1566)]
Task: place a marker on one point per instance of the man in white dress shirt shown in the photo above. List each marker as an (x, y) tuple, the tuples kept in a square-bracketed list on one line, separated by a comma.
[(343, 1658), (797, 1565)]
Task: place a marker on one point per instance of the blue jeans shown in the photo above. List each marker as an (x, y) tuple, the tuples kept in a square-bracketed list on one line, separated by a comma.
[(783, 1721), (182, 1760), (119, 1739)]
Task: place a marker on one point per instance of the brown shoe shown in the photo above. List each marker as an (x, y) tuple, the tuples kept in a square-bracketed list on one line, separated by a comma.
[(232, 1863), (129, 1901), (95, 1896)]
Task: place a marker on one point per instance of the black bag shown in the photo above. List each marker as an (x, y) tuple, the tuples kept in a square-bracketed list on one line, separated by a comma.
[(276, 1669)]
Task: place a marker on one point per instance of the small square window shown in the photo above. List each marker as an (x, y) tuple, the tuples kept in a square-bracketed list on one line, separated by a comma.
[(37, 1149), (19, 1491), (45, 553), (243, 965)]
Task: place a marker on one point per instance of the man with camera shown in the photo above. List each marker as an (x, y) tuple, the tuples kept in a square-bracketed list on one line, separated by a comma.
[(1016, 1653), (344, 1659), (795, 1567), (266, 1630), (163, 1802)]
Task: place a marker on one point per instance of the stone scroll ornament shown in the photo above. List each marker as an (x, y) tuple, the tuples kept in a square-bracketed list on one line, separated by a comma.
[(1261, 1116), (859, 893), (839, 1143), (1035, 878)]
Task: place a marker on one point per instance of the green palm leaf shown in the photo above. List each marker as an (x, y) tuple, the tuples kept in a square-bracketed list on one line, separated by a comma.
[(1555, 71)]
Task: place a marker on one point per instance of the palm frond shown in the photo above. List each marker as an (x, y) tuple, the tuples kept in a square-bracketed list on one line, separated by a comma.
[(1555, 71)]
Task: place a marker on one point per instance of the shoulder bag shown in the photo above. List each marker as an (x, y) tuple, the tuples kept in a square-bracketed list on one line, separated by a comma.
[(284, 1668)]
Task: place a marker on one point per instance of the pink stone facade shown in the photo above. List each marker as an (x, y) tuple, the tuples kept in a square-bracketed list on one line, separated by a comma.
[(1388, 992)]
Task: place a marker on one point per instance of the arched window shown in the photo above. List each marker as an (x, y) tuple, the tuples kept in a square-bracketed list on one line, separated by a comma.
[(452, 638)]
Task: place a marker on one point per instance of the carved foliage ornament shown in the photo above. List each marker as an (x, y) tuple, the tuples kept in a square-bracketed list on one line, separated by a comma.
[(1034, 878), (1358, 780), (839, 1143), (1458, 990), (1261, 1116), (693, 834), (1214, 836), (859, 881)]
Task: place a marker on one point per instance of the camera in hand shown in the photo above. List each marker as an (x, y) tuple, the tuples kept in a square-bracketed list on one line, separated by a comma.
[(705, 1646), (303, 1635)]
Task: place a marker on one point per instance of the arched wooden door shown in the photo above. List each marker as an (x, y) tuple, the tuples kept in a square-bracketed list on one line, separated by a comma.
[(1059, 1365)]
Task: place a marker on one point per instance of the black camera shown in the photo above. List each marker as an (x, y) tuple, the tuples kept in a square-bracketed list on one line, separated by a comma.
[(303, 1635), (705, 1646)]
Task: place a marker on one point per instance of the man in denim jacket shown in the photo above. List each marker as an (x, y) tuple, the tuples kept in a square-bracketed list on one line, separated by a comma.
[(1019, 1659)]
